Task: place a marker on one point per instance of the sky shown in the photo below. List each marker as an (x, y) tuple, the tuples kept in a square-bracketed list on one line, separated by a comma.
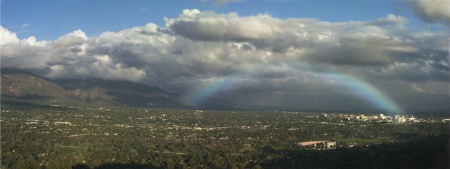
[(362, 55)]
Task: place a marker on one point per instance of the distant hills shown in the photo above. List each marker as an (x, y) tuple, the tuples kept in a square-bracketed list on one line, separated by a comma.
[(19, 84)]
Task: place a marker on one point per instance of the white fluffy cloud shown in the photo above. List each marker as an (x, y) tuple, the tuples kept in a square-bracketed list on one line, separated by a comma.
[(270, 61), (7, 37), (66, 57)]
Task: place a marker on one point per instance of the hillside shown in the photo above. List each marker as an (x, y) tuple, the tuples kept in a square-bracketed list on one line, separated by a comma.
[(24, 85)]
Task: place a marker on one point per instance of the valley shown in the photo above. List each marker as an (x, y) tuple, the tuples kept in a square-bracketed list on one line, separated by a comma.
[(89, 136)]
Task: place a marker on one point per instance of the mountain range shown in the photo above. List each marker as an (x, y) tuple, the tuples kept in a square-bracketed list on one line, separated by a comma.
[(23, 85)]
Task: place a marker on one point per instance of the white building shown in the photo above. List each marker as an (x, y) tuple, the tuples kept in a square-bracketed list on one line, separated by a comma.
[(318, 144)]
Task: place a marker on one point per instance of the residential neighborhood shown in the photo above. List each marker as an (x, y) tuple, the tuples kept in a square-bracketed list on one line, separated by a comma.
[(67, 135)]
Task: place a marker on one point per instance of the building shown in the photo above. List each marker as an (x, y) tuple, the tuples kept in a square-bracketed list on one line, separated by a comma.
[(318, 144)]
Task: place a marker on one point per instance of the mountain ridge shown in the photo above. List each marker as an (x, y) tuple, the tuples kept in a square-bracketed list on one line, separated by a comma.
[(24, 85)]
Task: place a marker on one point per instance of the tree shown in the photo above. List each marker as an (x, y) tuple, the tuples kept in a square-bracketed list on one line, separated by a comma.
[(170, 164)]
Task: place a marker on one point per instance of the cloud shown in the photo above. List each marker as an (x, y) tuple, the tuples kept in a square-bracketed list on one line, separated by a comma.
[(431, 10), (352, 43), (66, 57), (223, 2), (213, 27), (264, 60), (414, 72), (25, 25), (7, 37), (417, 88)]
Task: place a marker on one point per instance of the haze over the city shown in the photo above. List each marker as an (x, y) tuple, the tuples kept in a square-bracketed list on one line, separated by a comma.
[(373, 55)]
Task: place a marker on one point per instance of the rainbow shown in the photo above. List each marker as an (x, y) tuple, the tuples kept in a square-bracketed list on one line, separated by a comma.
[(366, 91), (220, 84), (200, 95), (363, 89)]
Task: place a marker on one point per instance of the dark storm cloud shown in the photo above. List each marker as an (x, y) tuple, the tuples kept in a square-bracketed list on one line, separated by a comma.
[(424, 71)]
